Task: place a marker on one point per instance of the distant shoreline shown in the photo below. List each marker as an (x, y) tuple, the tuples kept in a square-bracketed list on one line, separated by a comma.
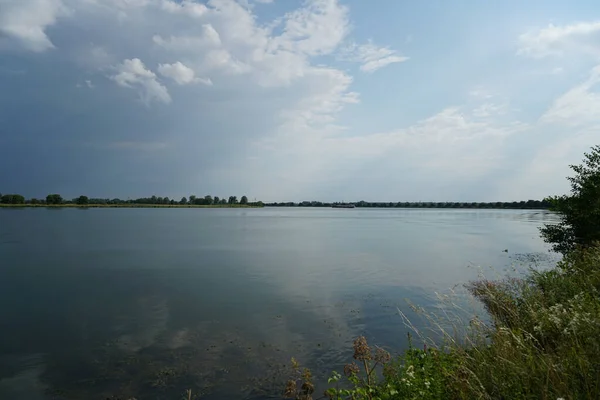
[(249, 206), (128, 206), (499, 205)]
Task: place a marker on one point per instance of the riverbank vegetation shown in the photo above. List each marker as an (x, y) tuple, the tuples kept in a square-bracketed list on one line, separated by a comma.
[(8, 200), (540, 341), (515, 205), (56, 200)]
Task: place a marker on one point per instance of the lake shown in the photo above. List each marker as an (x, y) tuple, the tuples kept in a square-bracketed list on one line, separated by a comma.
[(150, 302)]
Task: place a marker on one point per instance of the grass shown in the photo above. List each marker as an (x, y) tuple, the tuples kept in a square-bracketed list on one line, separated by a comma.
[(127, 206), (542, 342)]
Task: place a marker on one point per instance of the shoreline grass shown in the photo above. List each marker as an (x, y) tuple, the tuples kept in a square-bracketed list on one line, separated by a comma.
[(541, 342)]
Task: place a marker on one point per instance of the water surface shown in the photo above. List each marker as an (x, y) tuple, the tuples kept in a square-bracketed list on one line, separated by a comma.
[(149, 302)]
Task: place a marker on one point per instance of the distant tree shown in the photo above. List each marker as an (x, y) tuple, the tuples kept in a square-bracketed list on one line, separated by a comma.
[(223, 201), (13, 199), (244, 200), (192, 199), (579, 211), (82, 200), (216, 200), (208, 200), (232, 200), (54, 199), (183, 201), (530, 204), (33, 200)]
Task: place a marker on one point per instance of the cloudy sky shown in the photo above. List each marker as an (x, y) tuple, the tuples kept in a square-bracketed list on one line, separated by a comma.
[(297, 100)]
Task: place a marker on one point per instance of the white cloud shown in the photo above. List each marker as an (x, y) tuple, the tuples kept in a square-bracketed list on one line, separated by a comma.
[(27, 20), (232, 43), (371, 57), (208, 38), (580, 106), (327, 94), (581, 37), (133, 73), (180, 43), (125, 3), (563, 133), (186, 7), (374, 65), (181, 74), (454, 145), (222, 60), (441, 142), (229, 42), (318, 28)]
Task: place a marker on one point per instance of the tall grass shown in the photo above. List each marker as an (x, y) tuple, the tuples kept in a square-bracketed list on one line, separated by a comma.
[(542, 341), (545, 333)]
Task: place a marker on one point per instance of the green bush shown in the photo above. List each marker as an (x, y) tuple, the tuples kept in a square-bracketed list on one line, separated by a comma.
[(579, 211)]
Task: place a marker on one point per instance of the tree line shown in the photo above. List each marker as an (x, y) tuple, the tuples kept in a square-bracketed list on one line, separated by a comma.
[(57, 199), (529, 204)]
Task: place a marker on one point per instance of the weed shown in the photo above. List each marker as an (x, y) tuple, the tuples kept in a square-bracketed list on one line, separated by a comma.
[(541, 343)]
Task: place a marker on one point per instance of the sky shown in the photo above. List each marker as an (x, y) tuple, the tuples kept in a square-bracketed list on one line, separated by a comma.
[(285, 100)]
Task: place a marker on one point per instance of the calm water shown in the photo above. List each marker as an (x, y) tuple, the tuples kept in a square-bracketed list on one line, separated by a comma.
[(149, 302)]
